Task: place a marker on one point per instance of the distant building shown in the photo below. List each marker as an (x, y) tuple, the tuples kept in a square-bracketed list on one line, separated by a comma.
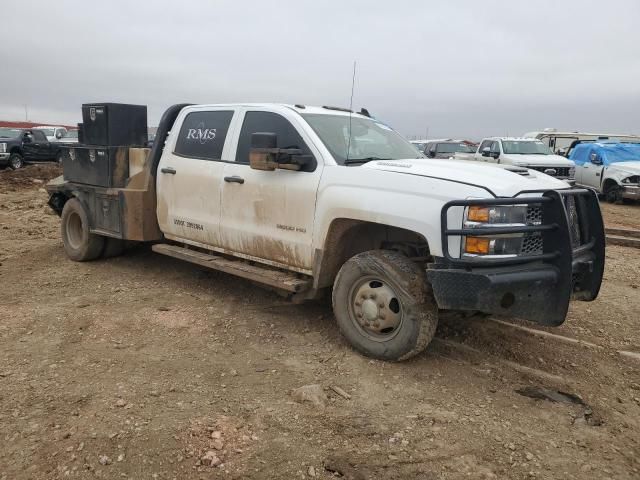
[(16, 124)]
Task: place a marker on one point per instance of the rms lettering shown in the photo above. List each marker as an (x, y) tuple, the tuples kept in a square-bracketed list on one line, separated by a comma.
[(203, 135)]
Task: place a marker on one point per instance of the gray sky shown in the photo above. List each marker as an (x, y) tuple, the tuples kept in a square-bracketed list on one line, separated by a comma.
[(465, 68)]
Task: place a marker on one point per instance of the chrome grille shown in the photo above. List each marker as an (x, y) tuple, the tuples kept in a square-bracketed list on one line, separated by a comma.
[(560, 171)]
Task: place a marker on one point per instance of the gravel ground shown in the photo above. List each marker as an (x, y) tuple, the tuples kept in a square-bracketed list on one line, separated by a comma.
[(142, 367)]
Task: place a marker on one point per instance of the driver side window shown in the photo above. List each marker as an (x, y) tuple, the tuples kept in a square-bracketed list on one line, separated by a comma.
[(495, 147), (254, 122)]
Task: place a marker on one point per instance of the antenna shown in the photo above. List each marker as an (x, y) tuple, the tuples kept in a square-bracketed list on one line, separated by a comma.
[(353, 82)]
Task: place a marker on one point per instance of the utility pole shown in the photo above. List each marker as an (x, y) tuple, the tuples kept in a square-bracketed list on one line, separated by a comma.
[(26, 113)]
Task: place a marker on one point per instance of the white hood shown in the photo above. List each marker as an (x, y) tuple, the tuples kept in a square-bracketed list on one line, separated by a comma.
[(536, 160), (500, 181), (632, 168)]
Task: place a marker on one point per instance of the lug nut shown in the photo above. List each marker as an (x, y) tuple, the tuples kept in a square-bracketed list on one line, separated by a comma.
[(358, 303), (381, 316), (359, 314), (373, 296), (381, 305)]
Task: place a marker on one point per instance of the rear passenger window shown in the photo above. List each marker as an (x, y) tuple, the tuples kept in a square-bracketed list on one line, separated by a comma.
[(288, 136), (203, 134)]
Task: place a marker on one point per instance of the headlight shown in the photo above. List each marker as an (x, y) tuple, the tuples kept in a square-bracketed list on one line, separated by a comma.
[(3, 147), (572, 173), (499, 216), (633, 179)]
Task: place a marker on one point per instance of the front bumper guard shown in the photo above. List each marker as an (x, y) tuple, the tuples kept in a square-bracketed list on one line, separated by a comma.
[(535, 287)]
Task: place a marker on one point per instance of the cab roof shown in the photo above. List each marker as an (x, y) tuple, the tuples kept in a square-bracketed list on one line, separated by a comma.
[(322, 110)]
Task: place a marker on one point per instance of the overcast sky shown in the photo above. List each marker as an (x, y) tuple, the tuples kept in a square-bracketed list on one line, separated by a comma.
[(465, 68)]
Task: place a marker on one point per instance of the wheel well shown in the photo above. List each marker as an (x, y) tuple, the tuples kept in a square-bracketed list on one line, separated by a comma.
[(16, 150), (347, 238), (57, 201), (608, 183)]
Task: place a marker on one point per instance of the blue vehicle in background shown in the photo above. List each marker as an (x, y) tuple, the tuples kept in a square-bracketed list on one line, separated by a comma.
[(612, 168)]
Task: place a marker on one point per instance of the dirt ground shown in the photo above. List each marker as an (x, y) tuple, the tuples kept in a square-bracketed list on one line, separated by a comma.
[(137, 366)]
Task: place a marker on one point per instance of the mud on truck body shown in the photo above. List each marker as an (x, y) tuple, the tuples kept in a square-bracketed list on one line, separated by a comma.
[(309, 200)]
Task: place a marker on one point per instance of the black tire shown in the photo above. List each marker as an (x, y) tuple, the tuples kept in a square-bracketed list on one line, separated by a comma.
[(15, 161), (80, 245), (113, 247), (59, 157), (397, 315), (613, 194)]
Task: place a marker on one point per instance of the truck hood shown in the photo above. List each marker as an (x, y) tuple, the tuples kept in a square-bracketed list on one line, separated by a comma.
[(495, 178), (537, 160), (632, 168)]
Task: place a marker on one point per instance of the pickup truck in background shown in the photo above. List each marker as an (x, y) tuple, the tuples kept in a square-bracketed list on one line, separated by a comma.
[(310, 200), (52, 133), (18, 146), (449, 149), (525, 152), (611, 168)]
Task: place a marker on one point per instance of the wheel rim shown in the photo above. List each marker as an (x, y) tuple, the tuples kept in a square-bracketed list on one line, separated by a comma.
[(74, 230), (16, 162), (375, 309)]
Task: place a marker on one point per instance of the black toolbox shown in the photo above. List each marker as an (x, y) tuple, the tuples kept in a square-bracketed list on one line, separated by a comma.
[(114, 124), (102, 166)]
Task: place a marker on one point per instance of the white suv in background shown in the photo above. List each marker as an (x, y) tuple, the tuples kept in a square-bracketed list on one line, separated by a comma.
[(529, 153)]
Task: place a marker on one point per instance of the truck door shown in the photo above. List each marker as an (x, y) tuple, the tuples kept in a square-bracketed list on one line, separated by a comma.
[(269, 215), (41, 146), (29, 146), (592, 170), (189, 176)]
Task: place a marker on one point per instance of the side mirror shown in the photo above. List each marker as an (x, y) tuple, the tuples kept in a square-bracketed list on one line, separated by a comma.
[(58, 134), (595, 159), (494, 154), (431, 154), (26, 138), (265, 155), (486, 152)]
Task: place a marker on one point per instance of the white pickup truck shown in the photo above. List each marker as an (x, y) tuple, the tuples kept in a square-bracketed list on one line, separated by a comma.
[(318, 199), (529, 153)]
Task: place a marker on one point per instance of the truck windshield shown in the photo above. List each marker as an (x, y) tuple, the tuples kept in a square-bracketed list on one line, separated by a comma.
[(523, 147), (370, 139), (9, 132)]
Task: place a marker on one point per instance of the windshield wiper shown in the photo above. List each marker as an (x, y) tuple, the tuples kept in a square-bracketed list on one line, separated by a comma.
[(352, 161)]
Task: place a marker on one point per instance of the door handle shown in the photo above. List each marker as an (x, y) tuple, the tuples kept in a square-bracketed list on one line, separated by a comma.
[(234, 179), (169, 170)]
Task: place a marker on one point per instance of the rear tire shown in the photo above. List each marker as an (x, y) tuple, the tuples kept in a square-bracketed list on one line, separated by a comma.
[(384, 306), (15, 161), (59, 157), (80, 245)]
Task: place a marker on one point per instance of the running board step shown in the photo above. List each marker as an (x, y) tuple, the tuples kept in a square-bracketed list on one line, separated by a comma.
[(268, 276)]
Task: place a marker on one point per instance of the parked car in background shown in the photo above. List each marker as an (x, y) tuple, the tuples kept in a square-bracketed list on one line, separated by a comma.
[(419, 144), (525, 152), (18, 146), (449, 149), (70, 137), (561, 143), (53, 133), (612, 168)]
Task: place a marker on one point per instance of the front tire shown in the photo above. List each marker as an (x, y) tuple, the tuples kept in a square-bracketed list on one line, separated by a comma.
[(79, 243), (383, 305), (613, 194), (15, 161), (59, 157)]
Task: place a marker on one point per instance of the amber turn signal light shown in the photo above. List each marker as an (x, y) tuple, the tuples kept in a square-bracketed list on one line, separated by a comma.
[(477, 245), (478, 214)]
